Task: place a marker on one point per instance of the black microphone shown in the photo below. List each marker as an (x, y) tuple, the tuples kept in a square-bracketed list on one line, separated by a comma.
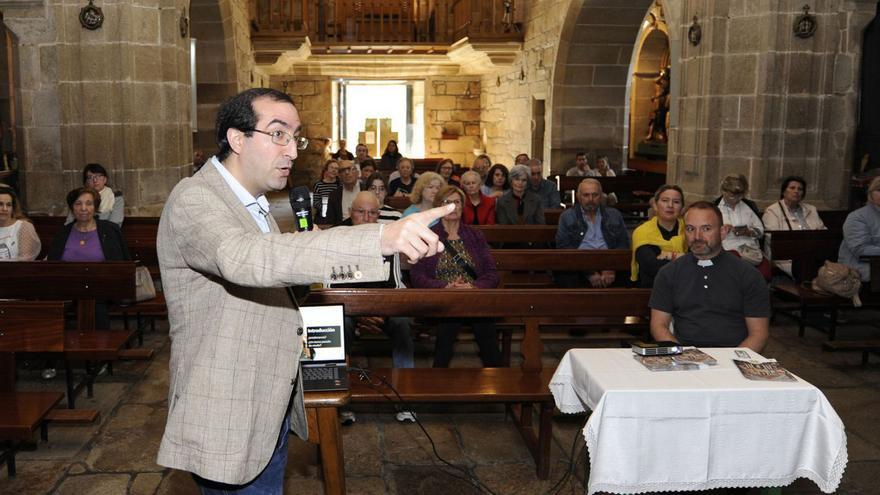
[(302, 208)]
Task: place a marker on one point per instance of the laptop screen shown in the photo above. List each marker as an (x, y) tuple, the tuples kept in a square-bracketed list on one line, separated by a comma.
[(325, 335)]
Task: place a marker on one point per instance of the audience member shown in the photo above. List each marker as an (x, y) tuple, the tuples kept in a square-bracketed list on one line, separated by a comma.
[(521, 159), (790, 213), (18, 238), (661, 239), (744, 225), (341, 198), (322, 189), (87, 238), (545, 189), (365, 209), (861, 233), (403, 185), (94, 176), (368, 168), (481, 165), (603, 169), (445, 168), (715, 299), (478, 209), (342, 153), (391, 155), (424, 192), (379, 187), (519, 206), (466, 263), (361, 153), (496, 181), (590, 225), (581, 167), (199, 159)]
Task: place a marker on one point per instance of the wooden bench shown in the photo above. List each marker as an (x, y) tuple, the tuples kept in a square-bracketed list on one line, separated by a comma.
[(865, 346), (25, 329), (83, 283), (808, 250), (626, 187), (517, 235), (523, 387)]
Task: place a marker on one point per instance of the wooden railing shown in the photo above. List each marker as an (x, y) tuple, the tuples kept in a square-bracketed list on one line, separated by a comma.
[(388, 21)]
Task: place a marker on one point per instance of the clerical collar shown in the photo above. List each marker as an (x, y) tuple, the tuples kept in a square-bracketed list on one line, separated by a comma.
[(705, 263), (709, 262)]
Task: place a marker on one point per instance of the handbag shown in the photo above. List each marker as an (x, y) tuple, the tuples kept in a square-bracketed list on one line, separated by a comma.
[(144, 287), (750, 253), (840, 280)]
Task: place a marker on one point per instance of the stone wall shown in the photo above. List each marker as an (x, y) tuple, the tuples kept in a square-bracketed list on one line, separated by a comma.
[(118, 96), (755, 99), (452, 118)]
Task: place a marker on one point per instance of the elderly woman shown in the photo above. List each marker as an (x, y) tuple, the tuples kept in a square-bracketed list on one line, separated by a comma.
[(424, 192), (744, 227), (94, 176), (466, 263), (496, 182), (403, 184), (661, 239), (790, 212), (519, 206), (87, 239), (377, 185), (18, 239), (861, 233), (478, 209)]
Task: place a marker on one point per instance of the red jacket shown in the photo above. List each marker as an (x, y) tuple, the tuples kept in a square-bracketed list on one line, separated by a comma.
[(484, 214)]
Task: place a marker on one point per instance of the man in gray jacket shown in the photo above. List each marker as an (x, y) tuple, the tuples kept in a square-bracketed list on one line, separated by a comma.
[(861, 233), (236, 333)]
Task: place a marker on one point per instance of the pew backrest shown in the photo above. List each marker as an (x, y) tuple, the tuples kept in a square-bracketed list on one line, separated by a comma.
[(519, 234), (31, 326), (808, 249)]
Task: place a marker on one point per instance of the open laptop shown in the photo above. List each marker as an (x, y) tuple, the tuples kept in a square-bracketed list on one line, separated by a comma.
[(325, 336)]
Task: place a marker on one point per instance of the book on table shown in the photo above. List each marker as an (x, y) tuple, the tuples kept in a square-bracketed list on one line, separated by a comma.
[(689, 359), (769, 370)]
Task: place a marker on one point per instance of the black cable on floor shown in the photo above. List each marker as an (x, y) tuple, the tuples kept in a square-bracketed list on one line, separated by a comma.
[(365, 376)]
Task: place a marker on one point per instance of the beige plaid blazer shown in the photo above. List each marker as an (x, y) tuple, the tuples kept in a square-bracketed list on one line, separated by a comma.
[(234, 330)]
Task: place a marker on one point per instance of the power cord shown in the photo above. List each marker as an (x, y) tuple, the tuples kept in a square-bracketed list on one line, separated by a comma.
[(572, 462), (365, 376)]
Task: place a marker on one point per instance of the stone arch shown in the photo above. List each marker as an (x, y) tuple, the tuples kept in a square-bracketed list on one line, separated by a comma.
[(590, 79), (216, 71)]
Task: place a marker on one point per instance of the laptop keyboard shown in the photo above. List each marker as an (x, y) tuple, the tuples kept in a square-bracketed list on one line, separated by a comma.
[(313, 374)]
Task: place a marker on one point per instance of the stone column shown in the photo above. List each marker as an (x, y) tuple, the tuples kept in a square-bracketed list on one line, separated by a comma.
[(118, 95)]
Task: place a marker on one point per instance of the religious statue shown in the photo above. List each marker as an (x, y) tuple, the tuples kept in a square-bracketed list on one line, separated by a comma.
[(660, 110)]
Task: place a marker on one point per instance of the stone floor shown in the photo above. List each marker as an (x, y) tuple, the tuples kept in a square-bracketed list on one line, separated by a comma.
[(116, 455)]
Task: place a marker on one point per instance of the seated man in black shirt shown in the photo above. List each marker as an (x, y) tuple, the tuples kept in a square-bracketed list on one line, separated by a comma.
[(716, 299)]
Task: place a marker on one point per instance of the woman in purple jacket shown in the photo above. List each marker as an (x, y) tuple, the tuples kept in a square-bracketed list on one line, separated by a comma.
[(466, 263)]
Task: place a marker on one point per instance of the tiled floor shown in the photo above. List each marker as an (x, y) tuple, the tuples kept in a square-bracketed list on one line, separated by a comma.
[(116, 456)]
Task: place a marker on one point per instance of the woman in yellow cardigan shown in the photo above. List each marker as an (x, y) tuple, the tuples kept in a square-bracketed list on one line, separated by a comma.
[(661, 239)]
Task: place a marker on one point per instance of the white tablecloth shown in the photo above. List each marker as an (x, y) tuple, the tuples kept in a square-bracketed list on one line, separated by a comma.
[(698, 429)]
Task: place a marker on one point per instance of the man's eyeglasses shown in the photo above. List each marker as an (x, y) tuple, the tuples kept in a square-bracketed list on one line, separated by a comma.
[(361, 211), (283, 138)]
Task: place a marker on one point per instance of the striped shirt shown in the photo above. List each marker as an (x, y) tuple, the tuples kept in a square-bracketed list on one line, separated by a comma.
[(388, 214)]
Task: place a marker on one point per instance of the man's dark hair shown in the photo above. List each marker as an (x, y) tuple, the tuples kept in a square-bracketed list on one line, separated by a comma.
[(238, 113), (369, 162), (95, 168), (706, 205), (73, 195), (795, 178), (580, 154)]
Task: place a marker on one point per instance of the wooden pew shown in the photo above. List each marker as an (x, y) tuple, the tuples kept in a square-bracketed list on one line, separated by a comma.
[(624, 186), (35, 327), (542, 261), (84, 283), (523, 387), (499, 235)]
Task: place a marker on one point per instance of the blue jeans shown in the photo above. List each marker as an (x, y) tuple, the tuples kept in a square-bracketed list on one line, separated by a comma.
[(269, 482), (398, 330)]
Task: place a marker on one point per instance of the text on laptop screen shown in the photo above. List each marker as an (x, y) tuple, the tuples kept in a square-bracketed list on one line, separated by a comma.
[(324, 332)]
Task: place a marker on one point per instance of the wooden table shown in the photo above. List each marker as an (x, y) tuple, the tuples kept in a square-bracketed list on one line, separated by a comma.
[(322, 413)]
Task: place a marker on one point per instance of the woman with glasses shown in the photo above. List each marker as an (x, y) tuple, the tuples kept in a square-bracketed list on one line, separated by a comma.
[(377, 185), (112, 208), (445, 168), (466, 263), (743, 223), (423, 194)]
